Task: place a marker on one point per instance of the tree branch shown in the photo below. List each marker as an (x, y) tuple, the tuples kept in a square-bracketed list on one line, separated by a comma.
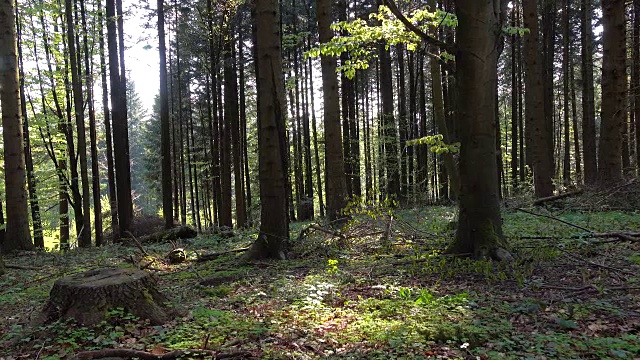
[(426, 37)]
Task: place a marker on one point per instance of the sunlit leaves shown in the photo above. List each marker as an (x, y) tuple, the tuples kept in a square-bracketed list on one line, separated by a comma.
[(359, 38), (436, 144)]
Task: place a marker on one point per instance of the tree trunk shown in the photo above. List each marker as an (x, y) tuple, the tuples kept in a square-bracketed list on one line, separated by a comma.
[(120, 133), (389, 128), (536, 123), (38, 238), (336, 191), (635, 76), (274, 226), (566, 162), (588, 102), (316, 146), (165, 141), (515, 96), (93, 136), (479, 226), (614, 79), (230, 111), (84, 238), (111, 177), (17, 230)]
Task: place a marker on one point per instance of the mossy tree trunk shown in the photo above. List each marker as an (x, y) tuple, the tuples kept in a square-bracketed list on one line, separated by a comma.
[(479, 226)]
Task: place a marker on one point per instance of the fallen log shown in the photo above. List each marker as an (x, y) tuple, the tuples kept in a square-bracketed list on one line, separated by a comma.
[(543, 200), (181, 232), (177, 354), (213, 256)]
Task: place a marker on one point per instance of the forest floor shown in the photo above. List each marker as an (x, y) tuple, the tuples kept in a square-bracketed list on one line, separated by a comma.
[(379, 289)]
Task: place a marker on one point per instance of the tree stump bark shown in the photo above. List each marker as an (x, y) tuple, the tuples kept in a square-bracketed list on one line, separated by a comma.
[(88, 296)]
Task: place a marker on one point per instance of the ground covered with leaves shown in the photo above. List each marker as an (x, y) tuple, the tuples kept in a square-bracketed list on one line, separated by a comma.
[(379, 288)]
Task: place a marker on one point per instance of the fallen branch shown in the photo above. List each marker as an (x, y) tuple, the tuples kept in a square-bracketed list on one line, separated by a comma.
[(327, 231), (556, 219), (213, 256), (575, 256), (143, 355), (138, 245), (619, 236), (20, 267), (543, 200)]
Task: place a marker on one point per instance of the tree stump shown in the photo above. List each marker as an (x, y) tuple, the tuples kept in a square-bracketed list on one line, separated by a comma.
[(88, 296)]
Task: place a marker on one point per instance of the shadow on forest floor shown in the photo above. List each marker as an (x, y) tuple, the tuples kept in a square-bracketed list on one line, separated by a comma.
[(379, 289)]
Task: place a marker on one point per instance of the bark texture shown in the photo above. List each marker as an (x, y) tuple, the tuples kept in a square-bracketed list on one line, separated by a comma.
[(479, 225), (17, 230), (87, 297), (614, 78), (535, 123), (274, 219), (334, 162)]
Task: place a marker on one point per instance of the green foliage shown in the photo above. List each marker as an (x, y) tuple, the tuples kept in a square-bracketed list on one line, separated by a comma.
[(360, 37), (332, 267), (436, 144)]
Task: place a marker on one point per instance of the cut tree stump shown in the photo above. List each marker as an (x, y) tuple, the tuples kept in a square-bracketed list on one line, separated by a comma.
[(88, 296)]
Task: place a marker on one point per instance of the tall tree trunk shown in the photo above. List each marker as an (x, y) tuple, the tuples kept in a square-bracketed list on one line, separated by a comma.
[(389, 128), (84, 238), (574, 125), (274, 227), (635, 76), (243, 124), (536, 123), (441, 123), (549, 8), (165, 141), (120, 132), (111, 177), (316, 146), (231, 100), (61, 169), (515, 96), (588, 102), (479, 225), (614, 79), (125, 169), (230, 113), (566, 162), (17, 229), (334, 163), (93, 136), (403, 123), (38, 238)]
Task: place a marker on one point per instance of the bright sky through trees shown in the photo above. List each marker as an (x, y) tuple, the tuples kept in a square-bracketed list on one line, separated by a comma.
[(142, 59)]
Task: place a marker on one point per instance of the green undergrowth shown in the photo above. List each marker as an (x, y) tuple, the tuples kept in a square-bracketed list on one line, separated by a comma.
[(371, 294)]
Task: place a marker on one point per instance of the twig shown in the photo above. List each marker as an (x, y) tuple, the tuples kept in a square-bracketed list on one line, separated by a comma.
[(144, 252), (576, 256), (556, 219), (327, 231)]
